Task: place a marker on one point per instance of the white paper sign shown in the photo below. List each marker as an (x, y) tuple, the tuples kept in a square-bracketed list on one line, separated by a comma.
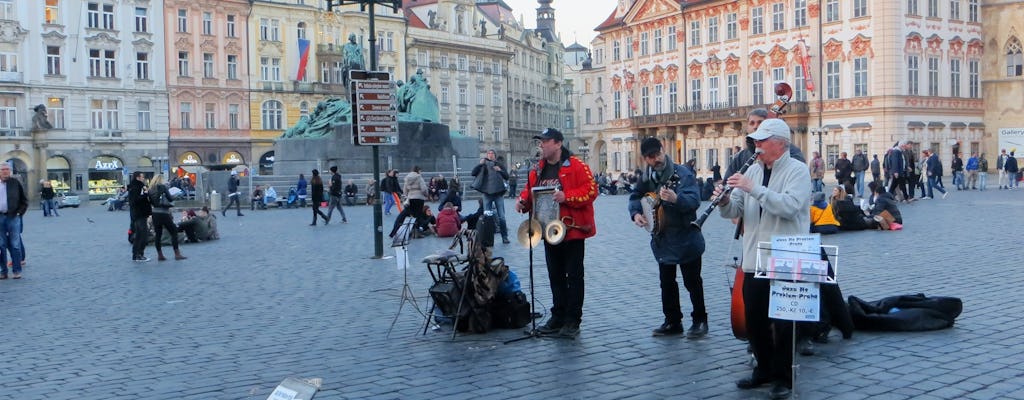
[(282, 393), (794, 301), (787, 253)]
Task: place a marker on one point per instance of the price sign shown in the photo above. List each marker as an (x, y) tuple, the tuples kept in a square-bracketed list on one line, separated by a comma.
[(375, 108), (794, 301)]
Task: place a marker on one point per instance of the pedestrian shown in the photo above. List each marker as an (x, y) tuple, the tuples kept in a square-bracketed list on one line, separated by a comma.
[(161, 200), (860, 165), (896, 165), (48, 201), (934, 174), (300, 190), (389, 188), (513, 183), (11, 212), (876, 171), (773, 198), (972, 172), (982, 172), (335, 194), (957, 166), (489, 179), (139, 211), (234, 196), (912, 172), (415, 193), (317, 187), (1010, 165), (371, 192), (844, 172), (678, 244), (1001, 167), (817, 171), (558, 168)]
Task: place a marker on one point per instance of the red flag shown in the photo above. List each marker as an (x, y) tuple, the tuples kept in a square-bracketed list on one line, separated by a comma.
[(303, 58), (805, 60)]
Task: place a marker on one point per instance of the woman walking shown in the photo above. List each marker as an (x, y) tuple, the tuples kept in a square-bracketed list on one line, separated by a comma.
[(415, 192), (162, 203), (317, 196)]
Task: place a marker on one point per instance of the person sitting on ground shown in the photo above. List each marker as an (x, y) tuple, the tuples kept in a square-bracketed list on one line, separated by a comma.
[(448, 221), (473, 218), (270, 197), (451, 196), (371, 192), (425, 224), (257, 199), (351, 191), (850, 216), (823, 219), (199, 226), (882, 202)]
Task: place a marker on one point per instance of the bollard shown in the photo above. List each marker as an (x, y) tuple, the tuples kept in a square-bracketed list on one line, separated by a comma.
[(214, 201)]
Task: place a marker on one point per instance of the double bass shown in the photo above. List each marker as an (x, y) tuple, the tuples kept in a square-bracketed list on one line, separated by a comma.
[(738, 317)]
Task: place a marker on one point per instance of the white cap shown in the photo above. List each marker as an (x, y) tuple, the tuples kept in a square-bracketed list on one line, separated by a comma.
[(771, 127), (234, 172)]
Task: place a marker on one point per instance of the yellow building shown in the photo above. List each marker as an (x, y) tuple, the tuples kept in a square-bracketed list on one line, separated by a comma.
[(1003, 77)]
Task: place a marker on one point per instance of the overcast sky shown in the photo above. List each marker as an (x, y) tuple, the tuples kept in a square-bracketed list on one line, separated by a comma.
[(573, 18)]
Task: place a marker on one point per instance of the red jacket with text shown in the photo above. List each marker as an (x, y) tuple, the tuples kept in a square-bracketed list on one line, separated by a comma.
[(580, 191)]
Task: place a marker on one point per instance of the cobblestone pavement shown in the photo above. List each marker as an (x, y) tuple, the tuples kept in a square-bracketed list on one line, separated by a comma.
[(277, 298)]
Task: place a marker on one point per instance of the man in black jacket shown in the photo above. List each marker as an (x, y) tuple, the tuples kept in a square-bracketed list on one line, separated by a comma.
[(844, 172), (492, 186), (335, 194), (13, 205), (139, 209), (234, 196), (860, 165)]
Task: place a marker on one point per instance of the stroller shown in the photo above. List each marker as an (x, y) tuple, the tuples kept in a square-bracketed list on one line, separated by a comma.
[(293, 197)]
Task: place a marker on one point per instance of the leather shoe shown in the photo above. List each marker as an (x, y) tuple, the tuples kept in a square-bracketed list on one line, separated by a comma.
[(752, 382), (805, 347), (779, 391), (554, 325), (697, 330), (668, 328)]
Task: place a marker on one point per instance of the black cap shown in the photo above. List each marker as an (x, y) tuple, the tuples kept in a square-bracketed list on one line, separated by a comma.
[(650, 146), (550, 133)]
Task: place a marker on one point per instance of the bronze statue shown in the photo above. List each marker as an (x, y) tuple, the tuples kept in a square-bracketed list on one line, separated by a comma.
[(39, 120), (352, 53)]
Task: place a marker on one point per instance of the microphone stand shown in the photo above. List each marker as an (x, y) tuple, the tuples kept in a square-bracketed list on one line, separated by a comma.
[(533, 333)]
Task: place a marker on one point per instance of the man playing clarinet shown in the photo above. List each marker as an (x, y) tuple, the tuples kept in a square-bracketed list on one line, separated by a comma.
[(677, 243)]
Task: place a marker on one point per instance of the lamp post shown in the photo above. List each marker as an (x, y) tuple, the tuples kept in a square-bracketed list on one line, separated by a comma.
[(584, 150), (820, 131), (370, 6)]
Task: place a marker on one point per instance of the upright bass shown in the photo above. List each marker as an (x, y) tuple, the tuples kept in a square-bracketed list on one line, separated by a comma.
[(783, 93)]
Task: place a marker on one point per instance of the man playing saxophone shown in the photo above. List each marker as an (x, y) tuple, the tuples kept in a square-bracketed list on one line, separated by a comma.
[(676, 242)]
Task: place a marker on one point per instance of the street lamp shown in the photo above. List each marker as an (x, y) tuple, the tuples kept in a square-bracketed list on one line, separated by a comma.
[(369, 5), (584, 150), (820, 131)]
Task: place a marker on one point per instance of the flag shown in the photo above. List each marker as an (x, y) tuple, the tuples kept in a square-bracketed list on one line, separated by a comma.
[(805, 60), (303, 58)]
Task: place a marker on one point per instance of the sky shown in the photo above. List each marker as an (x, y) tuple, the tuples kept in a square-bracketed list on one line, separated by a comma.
[(573, 18)]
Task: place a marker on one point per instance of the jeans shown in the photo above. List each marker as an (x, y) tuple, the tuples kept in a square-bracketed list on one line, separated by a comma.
[(934, 183), (958, 179), (565, 274), (982, 180), (818, 185), (496, 203), (336, 203), (670, 291), (860, 183), (389, 201), (10, 240)]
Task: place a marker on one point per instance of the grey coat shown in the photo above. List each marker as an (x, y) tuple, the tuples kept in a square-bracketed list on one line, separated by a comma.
[(494, 181), (414, 186)]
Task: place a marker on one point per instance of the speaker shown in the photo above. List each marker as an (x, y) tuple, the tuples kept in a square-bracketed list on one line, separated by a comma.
[(446, 296), (485, 229)]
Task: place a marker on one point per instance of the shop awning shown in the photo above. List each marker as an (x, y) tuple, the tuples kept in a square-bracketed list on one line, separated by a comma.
[(860, 125), (833, 127), (915, 124), (936, 125), (957, 125)]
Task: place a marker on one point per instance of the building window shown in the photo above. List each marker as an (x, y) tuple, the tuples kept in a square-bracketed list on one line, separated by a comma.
[(92, 13), (207, 65), (105, 115), (694, 33), (463, 63), (50, 14), (1014, 58), (55, 112), (832, 81), (615, 51), (270, 69), (972, 10), (233, 116), (102, 63), (933, 8), (954, 10), (232, 66), (778, 74), (860, 8), (144, 120), (713, 99), (207, 23), (645, 101), (231, 26), (757, 88), (496, 134), (831, 10), (209, 116), (617, 105), (270, 29), (463, 100), (757, 21), (832, 154), (659, 41), (496, 98), (108, 16), (303, 109), (713, 30), (53, 60), (933, 76), (142, 66), (695, 94), (860, 77), (183, 68), (913, 76), (973, 83), (643, 44), (659, 99), (799, 13), (300, 30), (671, 41), (444, 95), (912, 7), (186, 115), (778, 17), (141, 20), (954, 78), (732, 89), (271, 112), (182, 20), (8, 113), (711, 159), (629, 48), (799, 84), (480, 97), (730, 26)]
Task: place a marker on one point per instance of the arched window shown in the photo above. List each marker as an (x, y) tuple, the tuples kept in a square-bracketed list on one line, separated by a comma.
[(271, 113), (300, 30), (303, 109), (1014, 58)]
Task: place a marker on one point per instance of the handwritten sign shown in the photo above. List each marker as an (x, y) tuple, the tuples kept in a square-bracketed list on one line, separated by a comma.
[(794, 301)]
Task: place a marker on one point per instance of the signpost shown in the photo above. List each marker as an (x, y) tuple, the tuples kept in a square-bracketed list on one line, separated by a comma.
[(375, 109)]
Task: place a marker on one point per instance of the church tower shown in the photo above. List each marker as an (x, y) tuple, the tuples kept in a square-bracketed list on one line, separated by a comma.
[(546, 20)]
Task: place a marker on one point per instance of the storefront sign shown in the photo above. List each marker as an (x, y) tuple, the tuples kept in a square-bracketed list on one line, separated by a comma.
[(106, 164), (189, 158), (1011, 139), (232, 157), (267, 160)]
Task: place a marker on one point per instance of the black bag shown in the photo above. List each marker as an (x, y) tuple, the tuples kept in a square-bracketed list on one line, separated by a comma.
[(510, 312), (158, 198), (908, 313)]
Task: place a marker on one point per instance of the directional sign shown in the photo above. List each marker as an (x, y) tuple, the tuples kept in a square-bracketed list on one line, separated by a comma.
[(375, 111)]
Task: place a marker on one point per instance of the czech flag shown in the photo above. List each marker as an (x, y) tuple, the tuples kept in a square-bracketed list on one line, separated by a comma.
[(303, 58)]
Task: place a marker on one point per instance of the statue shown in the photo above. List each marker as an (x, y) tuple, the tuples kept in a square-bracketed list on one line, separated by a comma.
[(322, 120), (415, 100), (39, 121), (432, 16), (352, 53), (483, 28)]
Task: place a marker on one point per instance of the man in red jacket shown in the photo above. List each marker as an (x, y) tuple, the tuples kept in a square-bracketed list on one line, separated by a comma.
[(575, 198)]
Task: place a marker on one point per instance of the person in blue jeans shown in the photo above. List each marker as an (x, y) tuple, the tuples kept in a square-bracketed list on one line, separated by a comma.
[(388, 187), (934, 174), (11, 211)]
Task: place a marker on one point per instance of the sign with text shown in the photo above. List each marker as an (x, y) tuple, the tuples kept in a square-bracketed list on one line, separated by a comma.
[(374, 108), (794, 301), (1011, 139)]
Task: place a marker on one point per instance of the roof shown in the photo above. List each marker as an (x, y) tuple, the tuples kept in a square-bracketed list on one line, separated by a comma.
[(498, 12), (611, 22), (575, 46)]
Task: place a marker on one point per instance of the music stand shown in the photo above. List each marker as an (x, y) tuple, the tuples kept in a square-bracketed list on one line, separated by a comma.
[(401, 244)]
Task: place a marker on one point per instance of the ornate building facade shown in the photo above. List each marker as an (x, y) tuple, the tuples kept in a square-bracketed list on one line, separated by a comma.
[(1003, 77), (867, 73), (98, 67)]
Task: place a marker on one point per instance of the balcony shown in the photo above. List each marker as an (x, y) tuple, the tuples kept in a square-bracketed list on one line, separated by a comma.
[(7, 76), (273, 86), (304, 87), (14, 133), (328, 48), (708, 114)]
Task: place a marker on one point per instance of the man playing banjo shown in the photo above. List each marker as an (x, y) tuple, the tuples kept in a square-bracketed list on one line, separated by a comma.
[(674, 240)]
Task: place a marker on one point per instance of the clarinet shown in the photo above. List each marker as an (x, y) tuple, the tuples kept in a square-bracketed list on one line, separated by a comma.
[(726, 189)]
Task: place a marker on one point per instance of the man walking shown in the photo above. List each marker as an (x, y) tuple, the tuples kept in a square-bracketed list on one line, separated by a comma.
[(335, 193), (896, 164), (876, 169), (140, 210), (972, 172), (233, 195), (860, 165), (1001, 167), (844, 172), (491, 176), (13, 204), (934, 174), (678, 243), (1010, 165)]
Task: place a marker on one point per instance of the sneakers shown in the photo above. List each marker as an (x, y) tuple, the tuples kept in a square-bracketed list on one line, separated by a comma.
[(554, 325), (668, 329), (505, 240), (570, 330), (140, 259), (945, 195), (697, 330), (16, 275)]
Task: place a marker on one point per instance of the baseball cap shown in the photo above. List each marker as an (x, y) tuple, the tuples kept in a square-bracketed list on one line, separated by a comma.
[(234, 172), (650, 146), (550, 133), (771, 127)]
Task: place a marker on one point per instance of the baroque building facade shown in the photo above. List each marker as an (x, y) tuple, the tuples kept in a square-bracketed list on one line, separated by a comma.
[(98, 67), (1003, 77), (865, 74)]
